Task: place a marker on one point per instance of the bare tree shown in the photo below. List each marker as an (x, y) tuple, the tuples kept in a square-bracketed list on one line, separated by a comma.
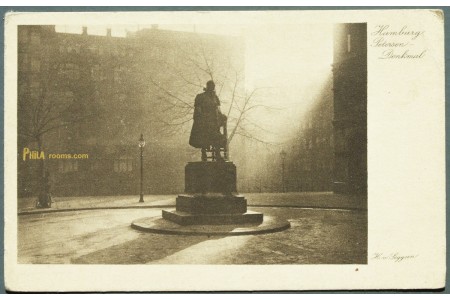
[(186, 74), (44, 109)]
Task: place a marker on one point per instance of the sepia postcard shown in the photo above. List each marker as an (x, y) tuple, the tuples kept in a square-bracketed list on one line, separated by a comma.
[(224, 150)]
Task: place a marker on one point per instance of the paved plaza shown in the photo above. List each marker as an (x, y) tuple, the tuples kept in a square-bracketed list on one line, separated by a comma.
[(325, 229)]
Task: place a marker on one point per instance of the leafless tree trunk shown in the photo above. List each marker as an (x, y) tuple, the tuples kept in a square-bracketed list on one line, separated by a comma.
[(45, 113)]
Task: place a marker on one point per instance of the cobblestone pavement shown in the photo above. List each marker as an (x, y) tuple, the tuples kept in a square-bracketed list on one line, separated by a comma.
[(317, 236)]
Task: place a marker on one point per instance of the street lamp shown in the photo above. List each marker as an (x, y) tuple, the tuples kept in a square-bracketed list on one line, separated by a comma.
[(283, 158), (141, 146)]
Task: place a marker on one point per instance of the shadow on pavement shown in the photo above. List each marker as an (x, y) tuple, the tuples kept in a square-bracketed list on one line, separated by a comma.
[(146, 248)]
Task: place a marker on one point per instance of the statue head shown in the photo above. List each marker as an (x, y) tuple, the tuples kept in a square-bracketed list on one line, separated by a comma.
[(210, 86)]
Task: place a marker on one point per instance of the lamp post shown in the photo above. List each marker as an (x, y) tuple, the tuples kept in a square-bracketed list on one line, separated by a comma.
[(141, 146), (283, 158)]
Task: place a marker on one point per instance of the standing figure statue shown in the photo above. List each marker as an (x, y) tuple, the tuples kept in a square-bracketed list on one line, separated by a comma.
[(208, 119)]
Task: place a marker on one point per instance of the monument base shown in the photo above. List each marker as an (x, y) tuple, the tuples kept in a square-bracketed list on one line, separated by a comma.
[(211, 197), (211, 209), (162, 226), (210, 177), (211, 203), (211, 206), (183, 218)]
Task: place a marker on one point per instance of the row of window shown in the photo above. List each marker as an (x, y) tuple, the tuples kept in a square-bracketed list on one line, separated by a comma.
[(120, 165), (70, 70), (26, 36), (168, 55), (319, 165), (26, 63), (318, 141), (75, 48), (320, 122), (34, 89)]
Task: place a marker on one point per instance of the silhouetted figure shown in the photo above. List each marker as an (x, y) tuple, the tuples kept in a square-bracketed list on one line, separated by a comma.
[(45, 198), (208, 119)]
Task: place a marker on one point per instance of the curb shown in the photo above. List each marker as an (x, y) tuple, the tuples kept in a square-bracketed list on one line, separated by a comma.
[(311, 207), (43, 211)]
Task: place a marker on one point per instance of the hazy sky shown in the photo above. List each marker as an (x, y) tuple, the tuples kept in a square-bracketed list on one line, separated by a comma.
[(293, 60), (274, 50)]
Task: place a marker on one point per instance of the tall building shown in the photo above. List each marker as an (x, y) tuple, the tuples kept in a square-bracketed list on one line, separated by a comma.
[(350, 108), (330, 151), (95, 95), (316, 161), (309, 159)]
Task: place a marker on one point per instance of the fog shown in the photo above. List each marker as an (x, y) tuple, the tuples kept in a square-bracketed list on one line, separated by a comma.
[(287, 64)]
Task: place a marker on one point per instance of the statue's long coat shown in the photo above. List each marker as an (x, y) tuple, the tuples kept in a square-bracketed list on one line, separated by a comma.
[(206, 128)]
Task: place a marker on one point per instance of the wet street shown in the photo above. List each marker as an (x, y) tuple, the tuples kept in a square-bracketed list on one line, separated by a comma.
[(104, 236)]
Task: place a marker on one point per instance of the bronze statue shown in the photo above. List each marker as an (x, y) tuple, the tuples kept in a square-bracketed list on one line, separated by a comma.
[(208, 119)]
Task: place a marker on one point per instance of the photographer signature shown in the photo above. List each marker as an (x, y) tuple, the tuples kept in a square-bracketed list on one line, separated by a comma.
[(396, 257)]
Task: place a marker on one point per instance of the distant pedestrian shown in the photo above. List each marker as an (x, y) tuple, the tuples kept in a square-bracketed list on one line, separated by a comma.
[(45, 198)]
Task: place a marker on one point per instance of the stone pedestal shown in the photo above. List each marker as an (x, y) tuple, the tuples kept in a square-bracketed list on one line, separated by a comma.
[(210, 177), (211, 197)]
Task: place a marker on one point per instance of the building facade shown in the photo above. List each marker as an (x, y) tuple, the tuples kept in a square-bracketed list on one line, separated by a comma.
[(350, 108), (309, 158), (330, 150), (95, 95)]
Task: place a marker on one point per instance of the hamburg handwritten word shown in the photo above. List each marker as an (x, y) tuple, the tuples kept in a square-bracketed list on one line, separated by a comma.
[(397, 43)]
